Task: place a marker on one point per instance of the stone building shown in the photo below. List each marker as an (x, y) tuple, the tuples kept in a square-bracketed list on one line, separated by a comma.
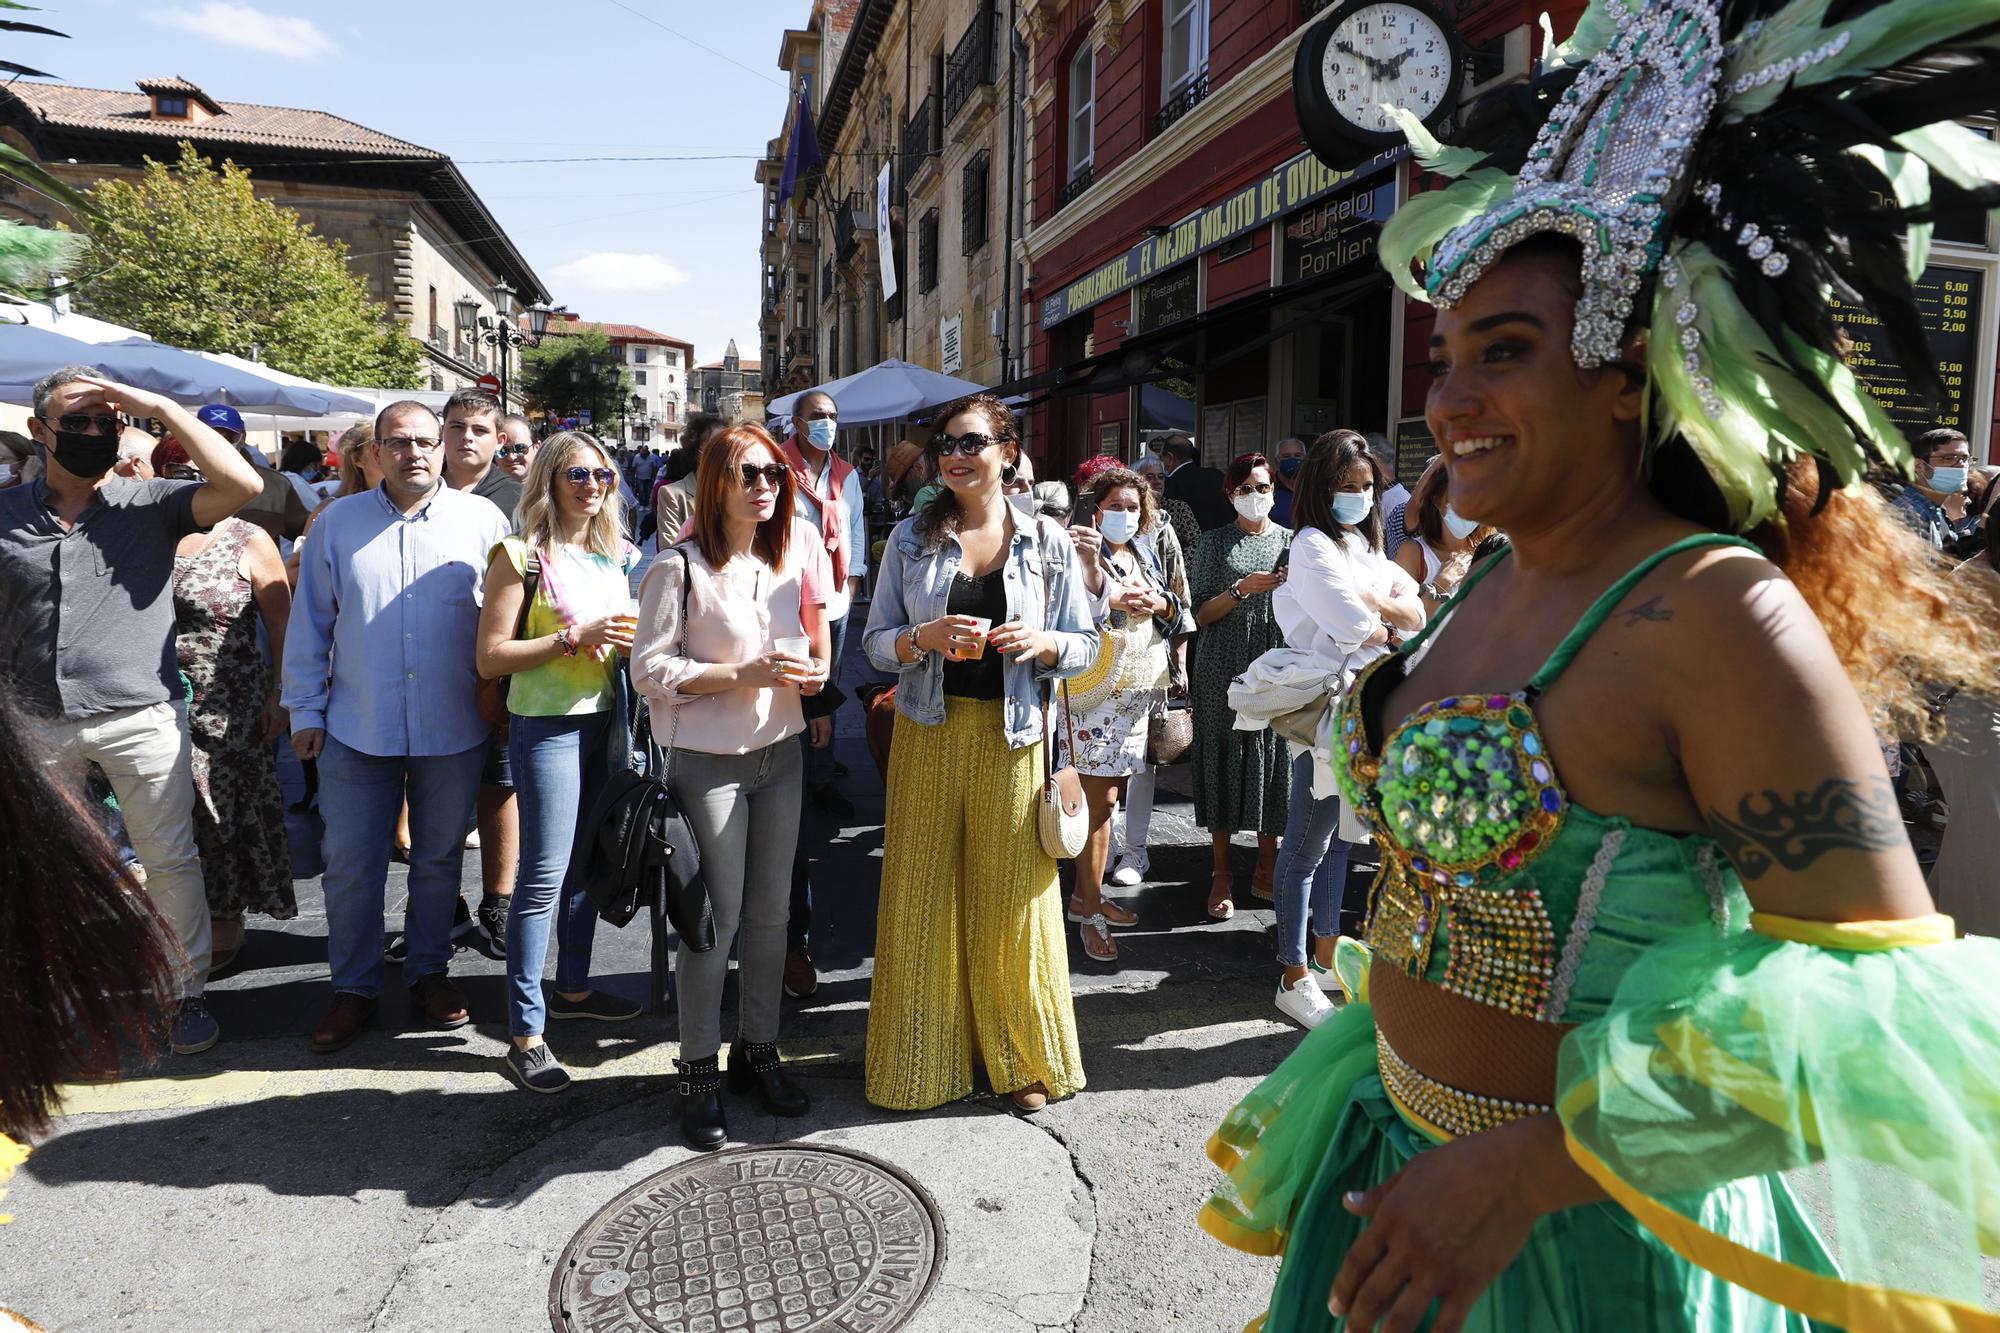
[(661, 370), (728, 388), (923, 90), (414, 227)]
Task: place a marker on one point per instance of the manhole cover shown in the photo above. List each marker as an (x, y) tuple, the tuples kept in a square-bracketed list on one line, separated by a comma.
[(762, 1240)]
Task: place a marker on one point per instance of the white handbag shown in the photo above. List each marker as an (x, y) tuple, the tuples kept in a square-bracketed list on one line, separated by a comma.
[(1061, 819)]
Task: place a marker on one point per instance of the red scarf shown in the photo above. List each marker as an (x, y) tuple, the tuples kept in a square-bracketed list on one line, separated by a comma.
[(832, 507)]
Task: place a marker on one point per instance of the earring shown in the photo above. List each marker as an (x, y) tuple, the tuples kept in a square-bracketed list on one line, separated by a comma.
[(1009, 472)]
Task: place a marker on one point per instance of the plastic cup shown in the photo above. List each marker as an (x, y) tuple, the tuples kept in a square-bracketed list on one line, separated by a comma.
[(793, 645), (977, 648)]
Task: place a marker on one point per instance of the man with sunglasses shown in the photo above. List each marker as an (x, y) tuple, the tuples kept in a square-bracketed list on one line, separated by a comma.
[(86, 577), (517, 446), (380, 681)]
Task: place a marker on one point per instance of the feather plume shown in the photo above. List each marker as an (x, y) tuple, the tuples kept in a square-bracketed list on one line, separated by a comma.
[(33, 258), (1415, 229), (1429, 153)]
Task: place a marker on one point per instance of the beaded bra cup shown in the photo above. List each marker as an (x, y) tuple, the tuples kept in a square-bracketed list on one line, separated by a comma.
[(1463, 797)]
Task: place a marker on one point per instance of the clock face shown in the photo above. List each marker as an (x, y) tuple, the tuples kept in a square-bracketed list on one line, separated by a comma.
[(1391, 54)]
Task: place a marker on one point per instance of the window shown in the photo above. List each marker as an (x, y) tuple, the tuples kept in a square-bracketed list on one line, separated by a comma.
[(170, 108), (927, 251), (1185, 44), (437, 332), (638, 377), (1082, 107), (638, 356), (972, 203), (617, 352)]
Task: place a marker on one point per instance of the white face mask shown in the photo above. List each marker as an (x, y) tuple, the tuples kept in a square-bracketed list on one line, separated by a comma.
[(1118, 525), (1459, 528), (1253, 506)]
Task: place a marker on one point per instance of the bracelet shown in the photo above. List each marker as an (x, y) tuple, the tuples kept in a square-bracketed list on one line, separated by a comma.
[(1234, 591), (917, 651), (563, 641)]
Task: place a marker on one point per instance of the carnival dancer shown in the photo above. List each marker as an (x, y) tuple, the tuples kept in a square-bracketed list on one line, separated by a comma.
[(1649, 932)]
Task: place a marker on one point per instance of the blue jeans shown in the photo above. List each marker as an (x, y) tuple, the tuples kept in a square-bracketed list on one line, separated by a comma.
[(359, 796), (819, 771), (559, 768), (1311, 854)]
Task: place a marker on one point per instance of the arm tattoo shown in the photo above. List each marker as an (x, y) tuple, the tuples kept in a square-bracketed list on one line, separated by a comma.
[(1649, 609), (1770, 830)]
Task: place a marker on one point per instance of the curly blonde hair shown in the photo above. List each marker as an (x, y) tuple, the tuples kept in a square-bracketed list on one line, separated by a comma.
[(1902, 626)]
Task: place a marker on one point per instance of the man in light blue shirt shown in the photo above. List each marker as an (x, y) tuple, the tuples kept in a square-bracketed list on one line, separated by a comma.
[(380, 681)]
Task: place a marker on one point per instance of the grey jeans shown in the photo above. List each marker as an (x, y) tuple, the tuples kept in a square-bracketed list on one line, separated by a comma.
[(745, 813)]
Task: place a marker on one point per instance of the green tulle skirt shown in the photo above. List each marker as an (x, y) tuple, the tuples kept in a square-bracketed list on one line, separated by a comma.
[(1322, 1125)]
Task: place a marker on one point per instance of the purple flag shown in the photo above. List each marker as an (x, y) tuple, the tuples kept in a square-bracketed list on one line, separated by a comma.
[(801, 154)]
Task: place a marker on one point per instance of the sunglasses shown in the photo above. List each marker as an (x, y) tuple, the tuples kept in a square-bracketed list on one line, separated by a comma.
[(970, 445), (772, 473), (512, 451), (603, 476), (78, 423), (1252, 488)]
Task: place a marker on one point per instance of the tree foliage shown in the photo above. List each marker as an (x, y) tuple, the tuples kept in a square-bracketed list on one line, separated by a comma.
[(192, 256), (573, 373)]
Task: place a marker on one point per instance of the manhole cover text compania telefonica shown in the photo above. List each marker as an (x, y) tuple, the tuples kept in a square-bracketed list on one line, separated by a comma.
[(754, 1240)]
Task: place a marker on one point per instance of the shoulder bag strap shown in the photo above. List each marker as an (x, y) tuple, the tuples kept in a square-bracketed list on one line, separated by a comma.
[(531, 586), (1048, 694)]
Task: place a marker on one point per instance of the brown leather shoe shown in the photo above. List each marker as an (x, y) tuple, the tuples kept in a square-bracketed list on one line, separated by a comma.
[(440, 1002), (801, 978), (342, 1023)]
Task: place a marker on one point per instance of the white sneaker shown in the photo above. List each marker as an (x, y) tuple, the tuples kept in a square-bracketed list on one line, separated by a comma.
[(1326, 979), (1129, 870), (1304, 1003)]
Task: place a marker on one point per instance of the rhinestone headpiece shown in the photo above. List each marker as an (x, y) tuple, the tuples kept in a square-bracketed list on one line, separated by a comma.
[(1609, 166)]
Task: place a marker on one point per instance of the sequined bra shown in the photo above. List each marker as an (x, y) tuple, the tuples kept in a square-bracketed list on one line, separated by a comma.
[(1484, 852)]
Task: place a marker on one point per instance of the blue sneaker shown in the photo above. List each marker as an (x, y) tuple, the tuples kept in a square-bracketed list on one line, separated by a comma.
[(195, 1029)]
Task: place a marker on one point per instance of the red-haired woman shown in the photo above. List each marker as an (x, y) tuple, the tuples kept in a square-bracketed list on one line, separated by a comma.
[(1242, 778), (723, 619)]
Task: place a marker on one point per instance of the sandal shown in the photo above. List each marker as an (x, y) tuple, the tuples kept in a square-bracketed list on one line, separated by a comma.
[(1098, 945), (1030, 1099), (1111, 913), (1220, 904), (1261, 878)]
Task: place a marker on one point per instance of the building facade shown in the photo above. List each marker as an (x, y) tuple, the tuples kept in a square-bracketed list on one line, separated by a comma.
[(414, 227), (658, 365), (912, 218), (728, 388), (1192, 267)]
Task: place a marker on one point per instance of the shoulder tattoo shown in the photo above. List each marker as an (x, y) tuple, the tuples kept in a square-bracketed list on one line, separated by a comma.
[(1772, 830), (1650, 609)]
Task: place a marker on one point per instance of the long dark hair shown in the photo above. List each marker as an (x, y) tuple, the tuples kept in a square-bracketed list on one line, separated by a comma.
[(1319, 477), (940, 514), (85, 962)]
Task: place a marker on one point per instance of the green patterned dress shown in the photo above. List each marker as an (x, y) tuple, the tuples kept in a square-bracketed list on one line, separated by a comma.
[(1242, 778)]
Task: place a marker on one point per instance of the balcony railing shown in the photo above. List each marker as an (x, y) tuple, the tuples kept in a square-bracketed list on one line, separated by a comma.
[(1078, 182), (845, 236), (920, 140), (1181, 101), (825, 280), (972, 63)]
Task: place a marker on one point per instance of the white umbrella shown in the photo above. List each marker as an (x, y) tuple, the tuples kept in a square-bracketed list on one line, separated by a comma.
[(36, 339), (888, 391), (376, 399)]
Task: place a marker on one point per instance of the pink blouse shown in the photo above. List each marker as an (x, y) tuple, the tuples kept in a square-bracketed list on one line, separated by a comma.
[(735, 614)]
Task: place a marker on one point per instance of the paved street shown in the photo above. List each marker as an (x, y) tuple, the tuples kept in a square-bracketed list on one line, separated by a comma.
[(406, 1183)]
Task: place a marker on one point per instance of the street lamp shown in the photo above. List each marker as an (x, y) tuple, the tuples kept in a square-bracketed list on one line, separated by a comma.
[(499, 331)]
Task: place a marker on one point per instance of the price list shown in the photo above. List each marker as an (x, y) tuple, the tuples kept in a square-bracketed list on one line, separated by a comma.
[(1949, 301)]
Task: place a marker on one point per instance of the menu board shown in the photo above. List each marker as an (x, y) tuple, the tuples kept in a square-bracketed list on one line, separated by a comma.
[(1167, 299), (1949, 301), (1414, 447)]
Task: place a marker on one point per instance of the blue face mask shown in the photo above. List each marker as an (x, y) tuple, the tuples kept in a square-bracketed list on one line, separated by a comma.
[(1350, 507), (1289, 467), (1947, 479), (1460, 528), (1118, 525), (821, 432)]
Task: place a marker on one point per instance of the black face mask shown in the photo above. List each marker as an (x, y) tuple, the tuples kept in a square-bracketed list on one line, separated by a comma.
[(87, 456)]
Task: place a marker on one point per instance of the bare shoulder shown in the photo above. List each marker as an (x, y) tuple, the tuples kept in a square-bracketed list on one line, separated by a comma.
[(1729, 613)]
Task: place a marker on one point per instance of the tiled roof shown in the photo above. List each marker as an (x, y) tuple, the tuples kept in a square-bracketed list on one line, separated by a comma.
[(622, 332), (245, 124), (181, 87)]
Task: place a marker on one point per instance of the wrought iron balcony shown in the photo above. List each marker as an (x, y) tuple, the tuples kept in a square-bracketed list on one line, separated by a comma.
[(920, 139), (1078, 182), (1181, 101), (972, 63), (845, 235)]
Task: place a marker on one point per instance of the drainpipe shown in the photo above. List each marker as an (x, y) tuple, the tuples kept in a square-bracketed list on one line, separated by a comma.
[(1013, 284)]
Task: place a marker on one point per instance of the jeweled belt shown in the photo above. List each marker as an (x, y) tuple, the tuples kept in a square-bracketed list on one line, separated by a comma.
[(1455, 1062)]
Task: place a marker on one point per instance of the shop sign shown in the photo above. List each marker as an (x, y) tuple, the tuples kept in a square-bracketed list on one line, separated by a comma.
[(951, 349), (1951, 303), (1167, 299), (1286, 190), (1335, 233), (1414, 447)]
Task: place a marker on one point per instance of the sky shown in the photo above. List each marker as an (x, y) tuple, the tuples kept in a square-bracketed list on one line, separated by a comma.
[(671, 245)]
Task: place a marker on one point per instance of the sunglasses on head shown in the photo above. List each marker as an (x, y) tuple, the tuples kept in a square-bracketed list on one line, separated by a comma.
[(513, 450), (603, 476), (78, 423), (971, 444), (772, 473)]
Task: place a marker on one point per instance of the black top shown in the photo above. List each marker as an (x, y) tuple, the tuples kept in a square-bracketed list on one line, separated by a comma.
[(984, 595)]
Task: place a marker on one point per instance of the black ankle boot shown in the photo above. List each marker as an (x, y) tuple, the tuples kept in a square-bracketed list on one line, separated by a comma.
[(702, 1125), (756, 1064)]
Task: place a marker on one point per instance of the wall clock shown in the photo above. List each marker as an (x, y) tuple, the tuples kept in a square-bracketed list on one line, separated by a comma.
[(1365, 55)]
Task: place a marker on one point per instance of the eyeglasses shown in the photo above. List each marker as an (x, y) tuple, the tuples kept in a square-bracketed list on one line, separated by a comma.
[(773, 475), (79, 423), (1950, 460), (403, 444), (512, 451), (971, 444), (1253, 488), (603, 476), (183, 472)]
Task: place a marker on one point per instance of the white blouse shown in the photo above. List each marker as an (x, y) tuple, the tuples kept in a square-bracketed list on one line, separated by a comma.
[(1328, 603)]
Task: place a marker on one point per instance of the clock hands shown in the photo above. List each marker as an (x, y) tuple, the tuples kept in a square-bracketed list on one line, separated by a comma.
[(1395, 66)]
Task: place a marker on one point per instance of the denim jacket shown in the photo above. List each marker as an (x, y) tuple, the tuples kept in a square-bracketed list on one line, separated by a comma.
[(1176, 619), (914, 584)]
